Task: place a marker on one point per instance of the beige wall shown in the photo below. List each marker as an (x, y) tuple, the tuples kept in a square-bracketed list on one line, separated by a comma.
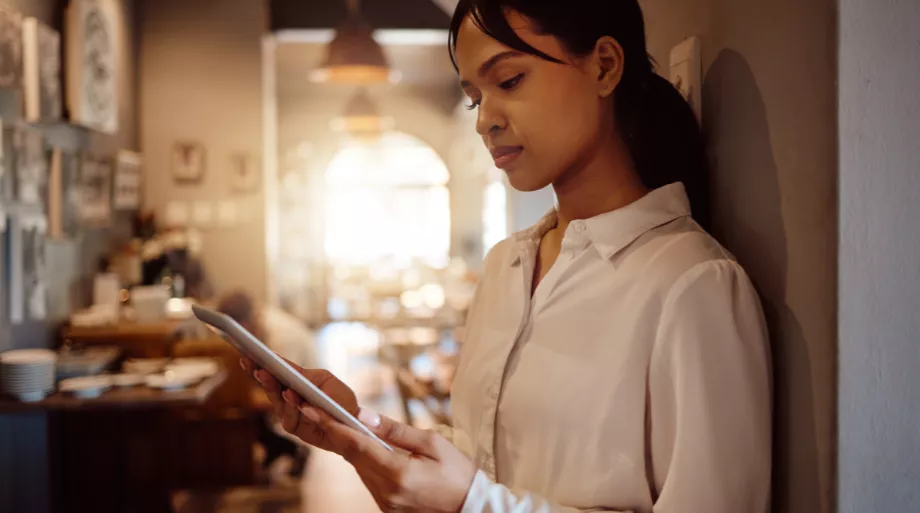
[(769, 115), (201, 79)]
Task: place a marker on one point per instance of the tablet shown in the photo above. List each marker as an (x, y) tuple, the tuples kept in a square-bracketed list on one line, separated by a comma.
[(252, 348)]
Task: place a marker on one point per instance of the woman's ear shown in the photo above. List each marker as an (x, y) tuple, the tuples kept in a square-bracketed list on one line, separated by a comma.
[(608, 62)]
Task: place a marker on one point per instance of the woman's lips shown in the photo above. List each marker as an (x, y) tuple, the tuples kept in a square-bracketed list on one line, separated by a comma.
[(505, 155)]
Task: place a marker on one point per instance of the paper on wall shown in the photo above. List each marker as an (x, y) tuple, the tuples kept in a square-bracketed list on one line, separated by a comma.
[(176, 214), (227, 214), (202, 214)]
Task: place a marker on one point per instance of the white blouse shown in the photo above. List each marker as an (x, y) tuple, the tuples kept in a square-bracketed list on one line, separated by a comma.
[(637, 377)]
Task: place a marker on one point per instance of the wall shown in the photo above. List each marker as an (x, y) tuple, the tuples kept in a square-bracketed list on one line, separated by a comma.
[(770, 120), (879, 417), (26, 481), (72, 262), (201, 80)]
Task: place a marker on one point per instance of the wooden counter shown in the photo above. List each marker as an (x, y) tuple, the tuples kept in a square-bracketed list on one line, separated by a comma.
[(135, 339), (123, 398)]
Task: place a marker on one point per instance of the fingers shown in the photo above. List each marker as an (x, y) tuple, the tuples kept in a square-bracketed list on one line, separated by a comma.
[(357, 448), (290, 412), (414, 440), (272, 390)]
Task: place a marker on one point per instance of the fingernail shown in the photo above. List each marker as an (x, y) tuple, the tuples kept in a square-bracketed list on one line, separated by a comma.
[(310, 414), (260, 375), (242, 364), (370, 418)]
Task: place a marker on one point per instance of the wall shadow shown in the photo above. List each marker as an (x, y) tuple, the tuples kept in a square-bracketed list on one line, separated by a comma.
[(746, 211)]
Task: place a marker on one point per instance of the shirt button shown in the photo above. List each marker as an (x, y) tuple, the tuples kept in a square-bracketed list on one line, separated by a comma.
[(578, 226), (568, 255)]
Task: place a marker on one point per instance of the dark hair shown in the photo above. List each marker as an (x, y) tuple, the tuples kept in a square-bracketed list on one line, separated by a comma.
[(659, 126)]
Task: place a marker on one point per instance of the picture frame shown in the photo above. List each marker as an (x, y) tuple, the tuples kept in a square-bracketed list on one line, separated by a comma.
[(28, 299), (25, 157), (96, 191), (188, 162), (245, 174), (10, 47), (128, 181), (92, 64), (42, 97)]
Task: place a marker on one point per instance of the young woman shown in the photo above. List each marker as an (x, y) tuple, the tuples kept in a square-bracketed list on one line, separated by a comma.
[(616, 357)]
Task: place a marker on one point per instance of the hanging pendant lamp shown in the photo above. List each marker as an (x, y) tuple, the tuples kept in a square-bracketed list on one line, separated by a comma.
[(353, 56), (362, 118)]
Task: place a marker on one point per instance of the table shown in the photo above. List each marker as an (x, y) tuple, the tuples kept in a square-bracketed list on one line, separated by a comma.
[(139, 397), (114, 453)]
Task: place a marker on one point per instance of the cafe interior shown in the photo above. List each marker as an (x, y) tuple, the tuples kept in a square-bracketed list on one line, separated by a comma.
[(306, 167), (310, 169)]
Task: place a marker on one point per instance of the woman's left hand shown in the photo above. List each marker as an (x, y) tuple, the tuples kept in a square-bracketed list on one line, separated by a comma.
[(434, 477)]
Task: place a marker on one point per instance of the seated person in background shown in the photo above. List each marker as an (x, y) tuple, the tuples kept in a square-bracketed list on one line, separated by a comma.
[(290, 338)]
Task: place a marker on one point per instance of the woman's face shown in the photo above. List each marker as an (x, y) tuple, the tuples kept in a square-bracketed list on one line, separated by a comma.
[(538, 118)]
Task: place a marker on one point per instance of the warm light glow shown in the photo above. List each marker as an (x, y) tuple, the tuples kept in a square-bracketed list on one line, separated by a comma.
[(387, 201), (432, 295), (358, 74), (494, 215)]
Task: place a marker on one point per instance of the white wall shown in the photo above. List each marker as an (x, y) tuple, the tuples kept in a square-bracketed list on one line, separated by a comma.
[(201, 80), (879, 325)]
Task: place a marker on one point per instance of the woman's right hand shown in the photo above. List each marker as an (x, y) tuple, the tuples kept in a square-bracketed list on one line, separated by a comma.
[(289, 406)]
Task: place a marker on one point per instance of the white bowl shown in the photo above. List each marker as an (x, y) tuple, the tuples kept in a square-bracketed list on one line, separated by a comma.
[(171, 380), (31, 397), (86, 387)]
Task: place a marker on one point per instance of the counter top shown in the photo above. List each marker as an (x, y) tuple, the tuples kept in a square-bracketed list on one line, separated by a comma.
[(122, 398)]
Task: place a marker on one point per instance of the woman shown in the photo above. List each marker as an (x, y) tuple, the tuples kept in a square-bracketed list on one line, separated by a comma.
[(616, 357)]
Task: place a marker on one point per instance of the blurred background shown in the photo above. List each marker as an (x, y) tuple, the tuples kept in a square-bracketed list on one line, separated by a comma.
[(306, 167), (309, 167)]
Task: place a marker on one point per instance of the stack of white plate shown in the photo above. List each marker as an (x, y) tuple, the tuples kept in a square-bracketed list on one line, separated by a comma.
[(27, 374)]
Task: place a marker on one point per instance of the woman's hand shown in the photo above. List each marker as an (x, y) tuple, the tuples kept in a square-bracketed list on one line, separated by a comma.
[(288, 405), (434, 477)]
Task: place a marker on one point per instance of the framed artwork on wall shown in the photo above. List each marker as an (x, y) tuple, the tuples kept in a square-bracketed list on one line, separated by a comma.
[(128, 181), (92, 57), (71, 195), (10, 47), (245, 172), (41, 71), (188, 162), (96, 191), (28, 299), (25, 156)]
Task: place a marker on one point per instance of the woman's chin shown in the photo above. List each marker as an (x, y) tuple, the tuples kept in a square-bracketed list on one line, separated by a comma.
[(520, 181)]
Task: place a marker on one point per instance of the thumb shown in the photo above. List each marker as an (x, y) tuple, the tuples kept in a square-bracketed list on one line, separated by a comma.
[(406, 437)]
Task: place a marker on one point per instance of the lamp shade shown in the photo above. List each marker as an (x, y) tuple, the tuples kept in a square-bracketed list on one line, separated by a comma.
[(353, 56), (362, 118)]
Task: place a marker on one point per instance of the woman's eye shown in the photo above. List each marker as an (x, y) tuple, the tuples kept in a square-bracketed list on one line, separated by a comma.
[(510, 84), (473, 105)]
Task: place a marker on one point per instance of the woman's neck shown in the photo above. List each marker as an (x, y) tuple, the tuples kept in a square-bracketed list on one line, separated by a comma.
[(605, 182)]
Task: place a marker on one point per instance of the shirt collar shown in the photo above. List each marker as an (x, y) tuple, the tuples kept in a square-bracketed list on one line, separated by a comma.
[(613, 231)]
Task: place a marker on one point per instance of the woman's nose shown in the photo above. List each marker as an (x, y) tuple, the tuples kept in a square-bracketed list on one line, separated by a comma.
[(490, 120)]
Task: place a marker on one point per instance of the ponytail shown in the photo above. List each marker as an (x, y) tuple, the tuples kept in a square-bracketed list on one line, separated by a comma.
[(664, 139)]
